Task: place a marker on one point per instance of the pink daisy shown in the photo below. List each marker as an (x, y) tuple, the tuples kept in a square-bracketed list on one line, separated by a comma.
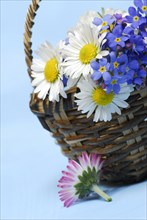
[(81, 179)]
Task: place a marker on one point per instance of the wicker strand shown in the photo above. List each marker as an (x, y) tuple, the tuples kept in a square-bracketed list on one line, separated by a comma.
[(28, 33)]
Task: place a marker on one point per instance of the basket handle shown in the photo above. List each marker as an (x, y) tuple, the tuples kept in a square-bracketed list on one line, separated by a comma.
[(28, 33)]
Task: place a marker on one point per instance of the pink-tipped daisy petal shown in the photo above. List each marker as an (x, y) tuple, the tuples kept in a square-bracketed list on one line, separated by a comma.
[(81, 179)]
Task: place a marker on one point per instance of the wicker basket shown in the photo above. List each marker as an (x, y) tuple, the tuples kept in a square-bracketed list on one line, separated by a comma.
[(122, 141)]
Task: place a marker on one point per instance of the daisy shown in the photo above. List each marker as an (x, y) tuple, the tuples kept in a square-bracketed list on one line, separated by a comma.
[(81, 179), (113, 12), (88, 18), (94, 99), (47, 78), (84, 46)]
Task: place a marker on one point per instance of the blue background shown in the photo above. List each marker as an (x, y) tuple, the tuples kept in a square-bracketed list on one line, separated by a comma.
[(31, 162)]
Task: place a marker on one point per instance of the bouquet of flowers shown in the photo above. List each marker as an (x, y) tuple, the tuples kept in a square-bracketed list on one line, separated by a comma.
[(105, 58)]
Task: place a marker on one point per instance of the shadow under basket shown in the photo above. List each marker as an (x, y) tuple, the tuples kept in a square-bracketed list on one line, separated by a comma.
[(122, 142)]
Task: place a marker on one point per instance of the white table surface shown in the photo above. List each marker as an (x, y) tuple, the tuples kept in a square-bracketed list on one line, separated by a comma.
[(31, 162)]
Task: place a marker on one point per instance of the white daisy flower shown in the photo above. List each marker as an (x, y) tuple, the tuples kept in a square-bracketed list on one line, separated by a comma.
[(46, 73), (84, 46), (88, 18), (94, 99), (114, 11)]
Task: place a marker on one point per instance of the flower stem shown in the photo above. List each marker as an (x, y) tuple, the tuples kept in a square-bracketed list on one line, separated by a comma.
[(100, 15), (96, 189)]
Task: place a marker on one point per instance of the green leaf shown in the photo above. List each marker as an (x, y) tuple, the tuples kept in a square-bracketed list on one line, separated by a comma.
[(86, 180)]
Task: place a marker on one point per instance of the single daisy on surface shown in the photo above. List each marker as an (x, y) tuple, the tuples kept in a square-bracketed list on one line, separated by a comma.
[(46, 75), (81, 179), (84, 46), (94, 99)]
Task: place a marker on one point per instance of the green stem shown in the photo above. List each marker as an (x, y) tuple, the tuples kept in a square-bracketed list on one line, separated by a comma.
[(100, 15), (96, 189), (103, 11)]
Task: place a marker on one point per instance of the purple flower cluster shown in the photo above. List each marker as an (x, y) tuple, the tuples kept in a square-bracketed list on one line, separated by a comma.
[(127, 45)]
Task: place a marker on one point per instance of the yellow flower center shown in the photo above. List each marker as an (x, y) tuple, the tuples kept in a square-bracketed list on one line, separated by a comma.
[(100, 97), (51, 70), (113, 82), (104, 23), (136, 18), (144, 8), (116, 64), (102, 69), (87, 53), (117, 39)]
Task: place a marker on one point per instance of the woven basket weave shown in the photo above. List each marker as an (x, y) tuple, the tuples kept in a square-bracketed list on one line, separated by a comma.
[(122, 141)]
